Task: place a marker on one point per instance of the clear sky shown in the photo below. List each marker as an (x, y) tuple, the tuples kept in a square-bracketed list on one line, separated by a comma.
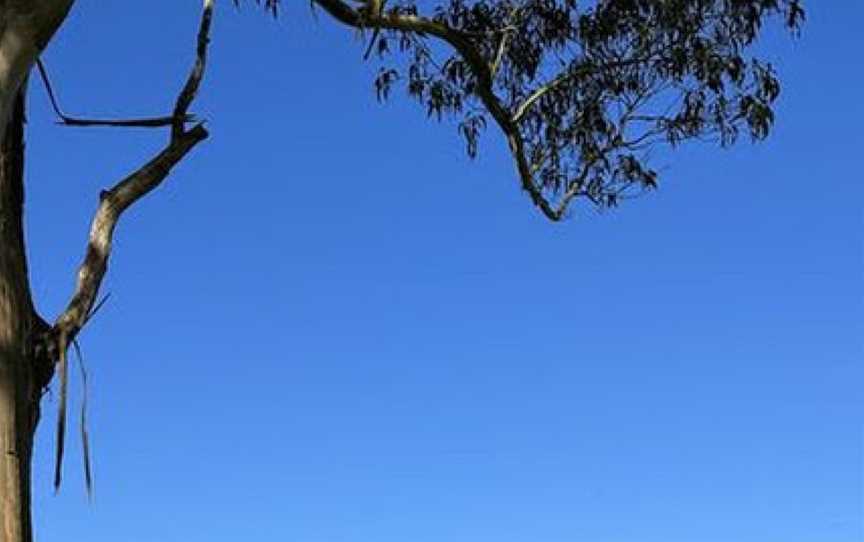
[(331, 326)]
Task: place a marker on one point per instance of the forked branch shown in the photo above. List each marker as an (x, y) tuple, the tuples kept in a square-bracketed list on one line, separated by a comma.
[(560, 78), (113, 202), (461, 42)]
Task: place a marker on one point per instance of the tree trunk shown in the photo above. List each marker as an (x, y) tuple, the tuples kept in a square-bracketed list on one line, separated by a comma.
[(20, 387)]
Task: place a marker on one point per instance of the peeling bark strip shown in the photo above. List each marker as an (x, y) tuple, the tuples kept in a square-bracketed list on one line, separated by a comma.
[(113, 203)]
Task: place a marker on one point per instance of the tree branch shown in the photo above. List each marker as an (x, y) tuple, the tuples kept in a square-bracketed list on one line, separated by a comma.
[(569, 76), (66, 120), (193, 83), (113, 203), (461, 42), (111, 207)]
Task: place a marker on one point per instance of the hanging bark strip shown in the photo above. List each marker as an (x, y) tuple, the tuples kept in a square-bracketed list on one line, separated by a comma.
[(85, 435), (113, 202)]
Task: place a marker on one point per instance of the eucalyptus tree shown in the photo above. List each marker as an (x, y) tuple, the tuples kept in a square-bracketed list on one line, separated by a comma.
[(582, 91)]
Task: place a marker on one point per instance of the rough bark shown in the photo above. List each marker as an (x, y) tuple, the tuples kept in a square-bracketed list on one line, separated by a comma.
[(26, 26), (20, 380)]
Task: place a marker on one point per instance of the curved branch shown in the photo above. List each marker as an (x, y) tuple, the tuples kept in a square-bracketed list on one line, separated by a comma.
[(111, 207), (66, 120), (193, 83), (461, 42), (113, 203)]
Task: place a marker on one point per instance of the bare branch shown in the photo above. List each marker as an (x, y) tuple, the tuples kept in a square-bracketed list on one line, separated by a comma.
[(66, 120), (503, 42), (113, 203), (190, 90), (526, 105), (150, 122), (499, 54), (575, 190)]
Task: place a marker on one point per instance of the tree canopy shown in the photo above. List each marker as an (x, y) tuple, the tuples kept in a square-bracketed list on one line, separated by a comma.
[(583, 91)]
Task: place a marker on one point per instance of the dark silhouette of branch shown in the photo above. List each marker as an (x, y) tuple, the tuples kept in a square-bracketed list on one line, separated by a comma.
[(461, 42), (85, 434), (66, 120), (570, 84), (113, 202)]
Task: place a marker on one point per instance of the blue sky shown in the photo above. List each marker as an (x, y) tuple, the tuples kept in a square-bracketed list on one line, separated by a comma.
[(331, 326)]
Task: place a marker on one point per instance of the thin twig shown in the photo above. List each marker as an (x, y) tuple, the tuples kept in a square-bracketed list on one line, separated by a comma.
[(66, 120), (190, 89), (96, 308)]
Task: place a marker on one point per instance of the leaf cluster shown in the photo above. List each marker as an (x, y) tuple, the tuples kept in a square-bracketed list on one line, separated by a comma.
[(593, 87), (583, 90)]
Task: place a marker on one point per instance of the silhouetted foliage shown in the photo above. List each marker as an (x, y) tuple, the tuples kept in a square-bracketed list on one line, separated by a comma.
[(583, 90)]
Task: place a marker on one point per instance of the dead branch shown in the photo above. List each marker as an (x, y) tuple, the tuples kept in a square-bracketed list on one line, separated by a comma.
[(66, 120), (113, 202)]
